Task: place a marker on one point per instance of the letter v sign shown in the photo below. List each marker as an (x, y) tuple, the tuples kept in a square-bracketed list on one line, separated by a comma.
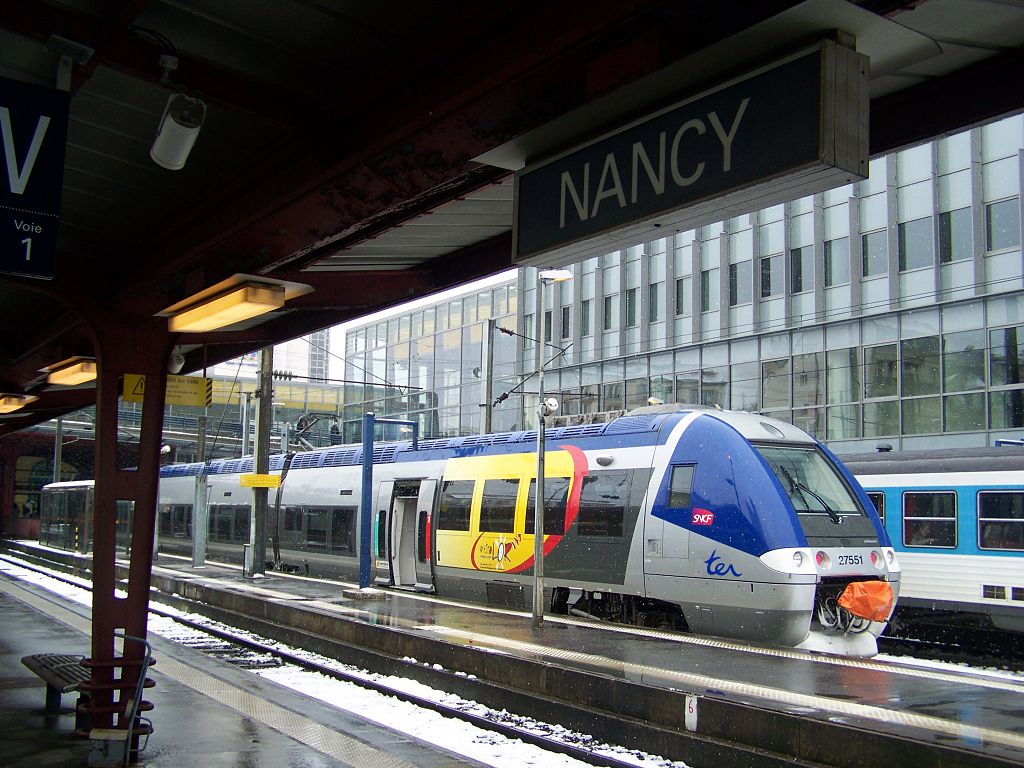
[(17, 178)]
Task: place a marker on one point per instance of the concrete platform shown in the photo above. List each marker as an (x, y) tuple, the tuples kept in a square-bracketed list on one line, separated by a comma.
[(207, 714), (813, 708)]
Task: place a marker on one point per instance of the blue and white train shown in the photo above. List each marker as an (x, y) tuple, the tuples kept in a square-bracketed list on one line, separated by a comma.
[(717, 522), (956, 518)]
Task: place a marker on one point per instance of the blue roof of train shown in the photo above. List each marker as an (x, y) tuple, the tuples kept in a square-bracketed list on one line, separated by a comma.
[(631, 430)]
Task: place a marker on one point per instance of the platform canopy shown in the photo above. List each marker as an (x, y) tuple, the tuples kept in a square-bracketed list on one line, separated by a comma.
[(362, 153)]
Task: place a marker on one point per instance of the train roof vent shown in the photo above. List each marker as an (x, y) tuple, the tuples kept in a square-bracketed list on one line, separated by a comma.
[(577, 430), (633, 424), (216, 467), (247, 464), (341, 457), (277, 461), (307, 460), (384, 454), (434, 443)]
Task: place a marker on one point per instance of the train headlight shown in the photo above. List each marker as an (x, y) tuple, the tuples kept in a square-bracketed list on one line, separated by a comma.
[(798, 559), (876, 559), (823, 560)]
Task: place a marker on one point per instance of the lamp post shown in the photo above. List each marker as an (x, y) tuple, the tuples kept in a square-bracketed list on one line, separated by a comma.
[(544, 277)]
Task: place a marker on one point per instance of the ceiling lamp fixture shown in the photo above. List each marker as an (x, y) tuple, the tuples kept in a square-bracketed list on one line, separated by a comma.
[(11, 403), (232, 306), (74, 370), (179, 126)]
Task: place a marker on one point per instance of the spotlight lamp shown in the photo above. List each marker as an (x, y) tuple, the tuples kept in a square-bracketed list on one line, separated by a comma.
[(74, 370), (179, 127), (11, 403)]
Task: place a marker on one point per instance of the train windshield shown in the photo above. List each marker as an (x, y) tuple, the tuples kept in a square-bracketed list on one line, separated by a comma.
[(811, 482)]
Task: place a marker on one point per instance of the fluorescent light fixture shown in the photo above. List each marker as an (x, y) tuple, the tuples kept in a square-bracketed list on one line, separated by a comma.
[(11, 403), (231, 306), (75, 370), (179, 127)]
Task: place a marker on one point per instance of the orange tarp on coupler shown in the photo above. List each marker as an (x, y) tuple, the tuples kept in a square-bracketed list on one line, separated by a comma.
[(868, 599)]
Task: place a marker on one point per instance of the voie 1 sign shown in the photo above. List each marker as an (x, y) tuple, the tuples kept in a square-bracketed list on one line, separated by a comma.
[(33, 129), (787, 130)]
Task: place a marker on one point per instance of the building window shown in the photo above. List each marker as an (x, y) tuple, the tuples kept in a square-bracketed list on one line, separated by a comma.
[(771, 276), (880, 371), (611, 313), (710, 295), (740, 287), (631, 307), (876, 253), (566, 322), (956, 240), (528, 339), (801, 269), (547, 326), (916, 249), (1002, 224), (585, 317), (837, 261), (683, 296), (653, 302), (919, 366)]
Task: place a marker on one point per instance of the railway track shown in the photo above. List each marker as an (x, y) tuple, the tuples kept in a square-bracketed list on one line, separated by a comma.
[(258, 655)]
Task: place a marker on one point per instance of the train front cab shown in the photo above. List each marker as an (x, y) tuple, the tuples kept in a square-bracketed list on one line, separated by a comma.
[(724, 542)]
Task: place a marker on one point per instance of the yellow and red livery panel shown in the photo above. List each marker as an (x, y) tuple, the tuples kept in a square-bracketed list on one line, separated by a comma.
[(508, 552)]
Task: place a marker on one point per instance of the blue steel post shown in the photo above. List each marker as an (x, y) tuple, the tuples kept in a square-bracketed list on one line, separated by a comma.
[(366, 505)]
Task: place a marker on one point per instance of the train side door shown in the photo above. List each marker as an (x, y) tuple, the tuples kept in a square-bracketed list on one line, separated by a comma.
[(666, 540), (379, 542), (402, 529), (424, 522)]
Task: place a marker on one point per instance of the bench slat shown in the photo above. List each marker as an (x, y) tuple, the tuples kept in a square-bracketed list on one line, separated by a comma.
[(59, 670)]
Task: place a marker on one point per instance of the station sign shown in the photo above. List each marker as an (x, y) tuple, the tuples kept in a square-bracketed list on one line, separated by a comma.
[(181, 390), (34, 125), (790, 129)]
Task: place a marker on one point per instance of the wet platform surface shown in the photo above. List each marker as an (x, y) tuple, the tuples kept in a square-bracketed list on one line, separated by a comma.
[(207, 714), (979, 718)]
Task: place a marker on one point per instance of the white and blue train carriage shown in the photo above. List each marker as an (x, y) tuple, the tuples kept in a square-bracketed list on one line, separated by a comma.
[(722, 523), (717, 522), (956, 517)]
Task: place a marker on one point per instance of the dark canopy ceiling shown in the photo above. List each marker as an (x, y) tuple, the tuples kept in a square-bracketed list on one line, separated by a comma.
[(365, 148)]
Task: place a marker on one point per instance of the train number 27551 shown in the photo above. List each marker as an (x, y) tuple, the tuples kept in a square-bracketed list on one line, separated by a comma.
[(850, 560)]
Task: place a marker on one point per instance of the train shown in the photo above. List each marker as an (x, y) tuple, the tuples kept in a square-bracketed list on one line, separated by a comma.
[(956, 518), (715, 522)]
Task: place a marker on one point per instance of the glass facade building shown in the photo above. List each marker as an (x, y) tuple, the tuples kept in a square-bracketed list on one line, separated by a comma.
[(891, 310)]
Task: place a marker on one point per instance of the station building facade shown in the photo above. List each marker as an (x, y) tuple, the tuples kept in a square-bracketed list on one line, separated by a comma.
[(890, 310)]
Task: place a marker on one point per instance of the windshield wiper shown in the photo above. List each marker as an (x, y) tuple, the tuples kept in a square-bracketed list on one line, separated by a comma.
[(797, 485)]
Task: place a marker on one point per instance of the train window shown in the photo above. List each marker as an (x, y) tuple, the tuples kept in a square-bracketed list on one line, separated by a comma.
[(456, 500), (343, 536), (679, 486), (810, 480), (293, 519), (556, 494), (382, 533), (316, 529), (929, 519), (603, 503), (422, 524), (878, 499), (498, 506), (1001, 520)]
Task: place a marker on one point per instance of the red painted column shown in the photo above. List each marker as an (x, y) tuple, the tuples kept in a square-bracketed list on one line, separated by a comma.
[(124, 349)]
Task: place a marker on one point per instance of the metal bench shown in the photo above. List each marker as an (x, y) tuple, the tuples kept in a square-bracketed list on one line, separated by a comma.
[(62, 673)]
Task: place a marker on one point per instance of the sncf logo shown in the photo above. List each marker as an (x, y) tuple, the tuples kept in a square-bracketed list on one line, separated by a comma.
[(702, 516)]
